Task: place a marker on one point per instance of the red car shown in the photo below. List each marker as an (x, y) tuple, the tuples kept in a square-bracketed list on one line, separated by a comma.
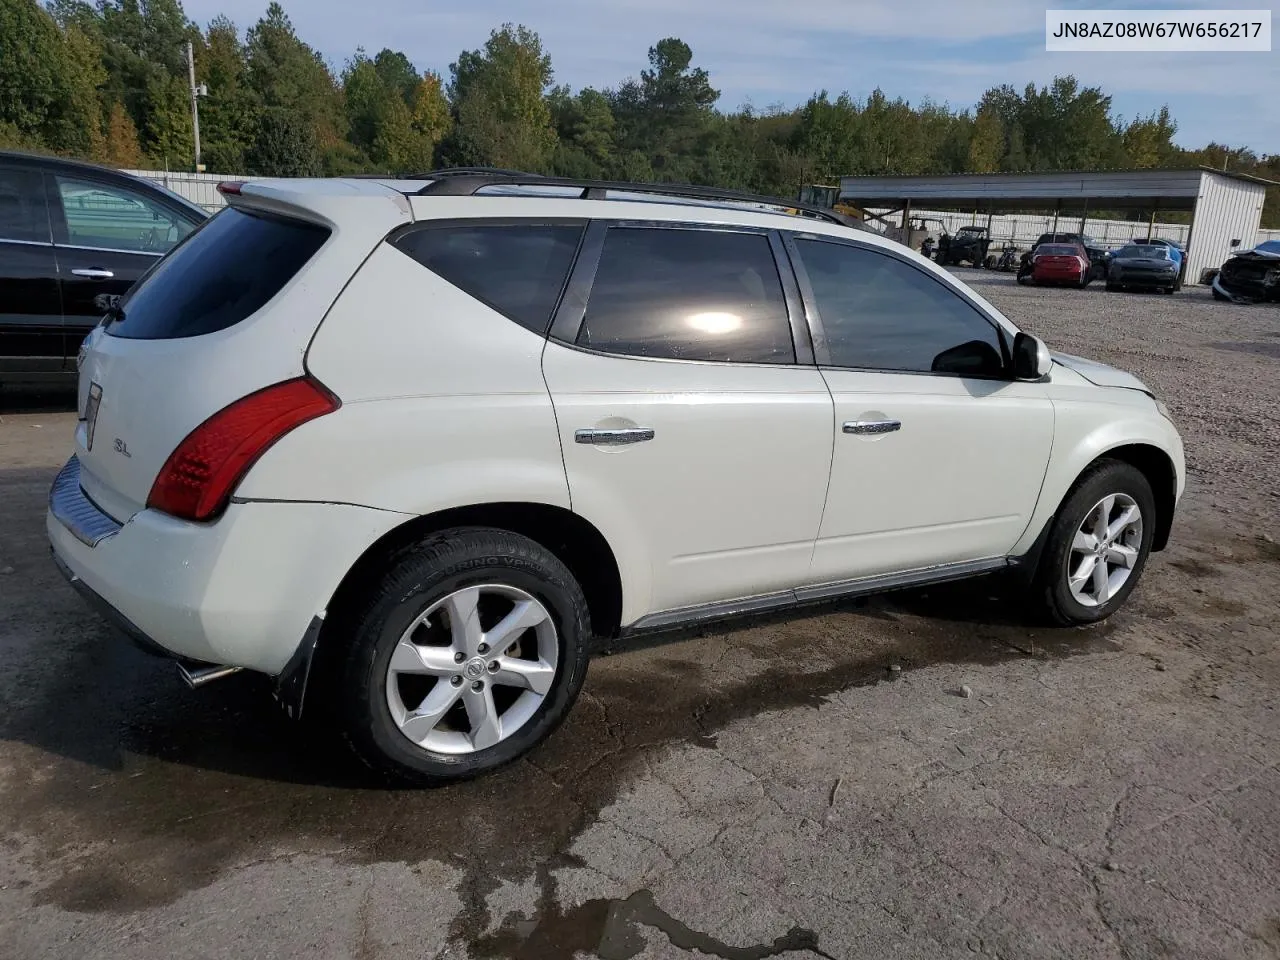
[(1060, 263)]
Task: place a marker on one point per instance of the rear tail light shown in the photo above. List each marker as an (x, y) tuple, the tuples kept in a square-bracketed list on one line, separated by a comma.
[(196, 481), (230, 188)]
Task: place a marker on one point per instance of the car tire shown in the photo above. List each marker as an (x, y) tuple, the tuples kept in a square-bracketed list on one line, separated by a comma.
[(1067, 590), (1111, 287), (1219, 296), (439, 576)]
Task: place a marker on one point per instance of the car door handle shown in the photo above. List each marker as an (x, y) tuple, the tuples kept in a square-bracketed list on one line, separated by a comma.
[(613, 437), (864, 427), (94, 273)]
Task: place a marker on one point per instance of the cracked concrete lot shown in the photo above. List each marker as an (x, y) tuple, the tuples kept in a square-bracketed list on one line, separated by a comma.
[(771, 788)]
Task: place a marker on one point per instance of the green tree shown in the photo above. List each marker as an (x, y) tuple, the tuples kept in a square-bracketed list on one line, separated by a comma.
[(285, 146), (584, 125), (397, 73), (229, 113), (287, 75), (1148, 141), (987, 143), (503, 117)]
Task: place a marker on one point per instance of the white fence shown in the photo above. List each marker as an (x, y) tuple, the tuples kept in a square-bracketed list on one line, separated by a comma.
[(202, 188)]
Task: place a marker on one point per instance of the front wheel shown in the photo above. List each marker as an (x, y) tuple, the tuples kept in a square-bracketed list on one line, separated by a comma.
[(470, 652), (1098, 545)]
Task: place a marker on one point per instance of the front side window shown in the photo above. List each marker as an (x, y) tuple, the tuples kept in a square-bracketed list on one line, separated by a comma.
[(108, 217), (688, 294), (517, 269), (879, 313)]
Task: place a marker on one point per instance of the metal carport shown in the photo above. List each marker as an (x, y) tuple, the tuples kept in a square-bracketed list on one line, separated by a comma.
[(1226, 208)]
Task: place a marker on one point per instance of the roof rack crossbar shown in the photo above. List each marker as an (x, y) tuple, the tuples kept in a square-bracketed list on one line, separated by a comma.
[(467, 181)]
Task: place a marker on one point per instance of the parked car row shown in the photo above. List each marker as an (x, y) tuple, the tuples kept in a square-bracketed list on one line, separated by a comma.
[(71, 233)]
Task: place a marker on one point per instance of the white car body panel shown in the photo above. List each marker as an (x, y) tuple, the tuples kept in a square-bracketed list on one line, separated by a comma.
[(726, 499), (957, 482), (419, 431), (241, 591)]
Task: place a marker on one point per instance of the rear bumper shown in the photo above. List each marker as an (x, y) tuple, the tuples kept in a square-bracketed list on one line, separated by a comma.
[(242, 591)]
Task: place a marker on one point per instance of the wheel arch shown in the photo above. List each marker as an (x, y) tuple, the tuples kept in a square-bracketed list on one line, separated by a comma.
[(574, 540), (1154, 463)]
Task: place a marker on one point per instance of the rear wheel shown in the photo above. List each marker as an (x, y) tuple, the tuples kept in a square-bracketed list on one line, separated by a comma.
[(470, 653), (1098, 545)]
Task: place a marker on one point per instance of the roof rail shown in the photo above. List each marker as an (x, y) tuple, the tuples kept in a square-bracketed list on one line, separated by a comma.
[(467, 181)]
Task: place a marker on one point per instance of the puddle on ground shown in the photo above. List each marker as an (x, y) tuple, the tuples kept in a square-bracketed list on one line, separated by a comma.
[(611, 929)]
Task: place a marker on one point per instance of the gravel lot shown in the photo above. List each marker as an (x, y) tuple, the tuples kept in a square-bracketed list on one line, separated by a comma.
[(770, 790)]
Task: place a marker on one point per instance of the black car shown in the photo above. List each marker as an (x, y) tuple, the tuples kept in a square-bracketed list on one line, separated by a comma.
[(1096, 253), (1150, 265), (1250, 276), (70, 232)]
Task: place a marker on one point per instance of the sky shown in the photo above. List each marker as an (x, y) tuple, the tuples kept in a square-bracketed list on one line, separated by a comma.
[(765, 52)]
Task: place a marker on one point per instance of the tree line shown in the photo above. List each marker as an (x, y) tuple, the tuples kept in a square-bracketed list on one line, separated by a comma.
[(108, 81)]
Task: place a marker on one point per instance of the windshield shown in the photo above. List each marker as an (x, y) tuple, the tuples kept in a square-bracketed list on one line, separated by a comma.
[(1135, 251)]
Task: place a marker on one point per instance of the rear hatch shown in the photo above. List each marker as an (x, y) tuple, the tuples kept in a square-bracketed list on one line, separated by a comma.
[(226, 313)]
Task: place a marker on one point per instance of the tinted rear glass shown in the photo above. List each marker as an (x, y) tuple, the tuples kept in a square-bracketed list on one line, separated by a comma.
[(517, 269), (224, 272), (1057, 250)]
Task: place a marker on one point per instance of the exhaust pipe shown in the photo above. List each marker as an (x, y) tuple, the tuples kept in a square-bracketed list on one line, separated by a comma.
[(199, 676)]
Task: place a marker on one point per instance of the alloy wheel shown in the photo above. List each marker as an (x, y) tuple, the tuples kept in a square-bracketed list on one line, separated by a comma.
[(472, 669), (1105, 550)]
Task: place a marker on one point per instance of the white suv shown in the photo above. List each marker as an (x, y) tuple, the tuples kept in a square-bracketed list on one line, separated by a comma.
[(407, 446)]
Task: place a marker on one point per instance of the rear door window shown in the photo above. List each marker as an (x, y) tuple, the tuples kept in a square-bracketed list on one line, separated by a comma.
[(688, 294), (226, 271), (518, 269), (23, 213), (107, 217)]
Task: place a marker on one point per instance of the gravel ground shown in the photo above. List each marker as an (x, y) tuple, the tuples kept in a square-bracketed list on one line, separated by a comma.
[(774, 789)]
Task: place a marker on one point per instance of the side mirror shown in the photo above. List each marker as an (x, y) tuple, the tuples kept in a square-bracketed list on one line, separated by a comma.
[(1031, 359)]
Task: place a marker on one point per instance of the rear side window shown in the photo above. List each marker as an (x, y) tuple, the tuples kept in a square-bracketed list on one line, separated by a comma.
[(224, 272), (517, 269), (23, 215), (688, 295)]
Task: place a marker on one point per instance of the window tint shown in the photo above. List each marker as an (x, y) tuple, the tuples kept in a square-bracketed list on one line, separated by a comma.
[(518, 269), (688, 295), (111, 217), (1057, 250), (22, 206), (223, 273), (883, 314)]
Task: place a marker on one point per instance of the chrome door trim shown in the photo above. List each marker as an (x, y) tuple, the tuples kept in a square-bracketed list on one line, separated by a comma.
[(94, 273), (871, 427), (613, 437)]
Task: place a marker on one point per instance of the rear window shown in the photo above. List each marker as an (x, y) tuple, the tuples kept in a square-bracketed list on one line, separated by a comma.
[(518, 269), (223, 273), (1057, 250)]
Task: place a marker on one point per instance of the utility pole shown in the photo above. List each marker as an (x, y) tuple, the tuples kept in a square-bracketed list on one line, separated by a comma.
[(196, 94)]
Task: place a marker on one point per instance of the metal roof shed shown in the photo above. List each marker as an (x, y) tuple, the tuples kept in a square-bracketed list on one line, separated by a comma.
[(1224, 206)]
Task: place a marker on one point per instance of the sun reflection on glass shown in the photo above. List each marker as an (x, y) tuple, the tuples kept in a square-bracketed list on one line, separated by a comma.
[(714, 322)]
